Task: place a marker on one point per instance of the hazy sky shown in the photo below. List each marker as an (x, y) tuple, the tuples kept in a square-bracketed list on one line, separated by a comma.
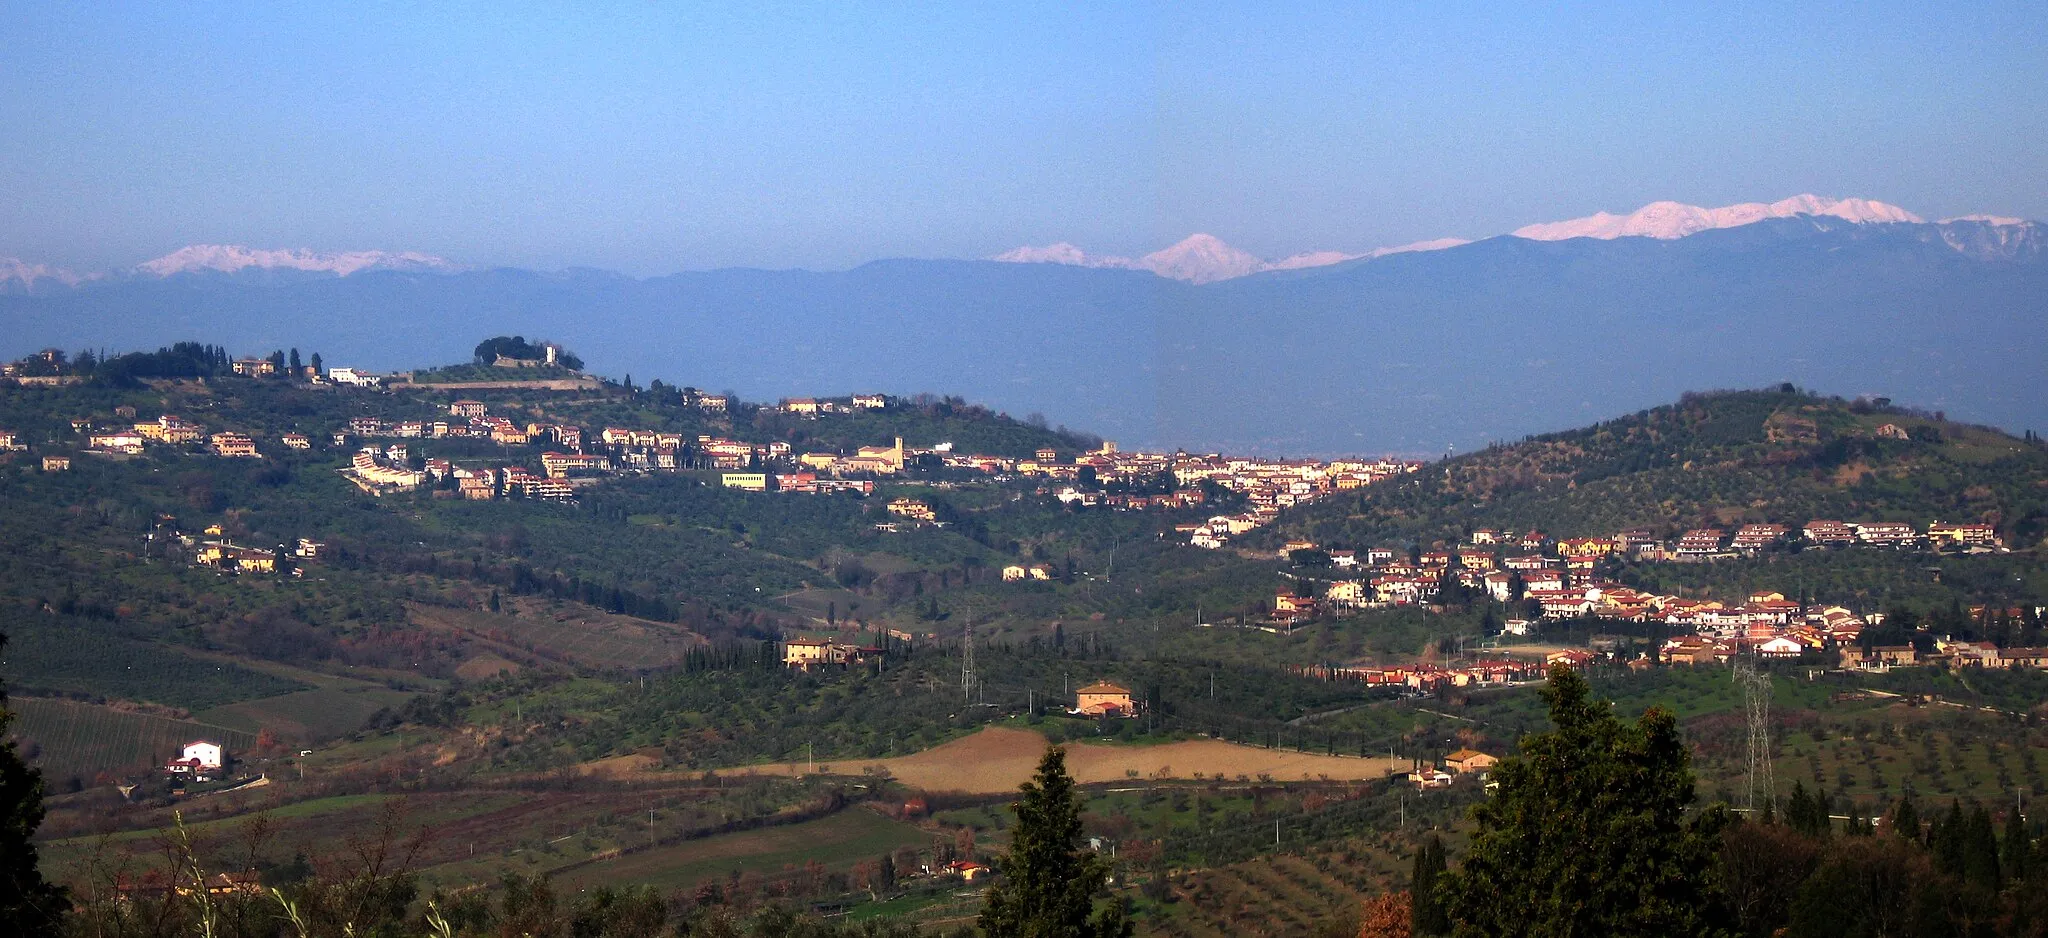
[(653, 137)]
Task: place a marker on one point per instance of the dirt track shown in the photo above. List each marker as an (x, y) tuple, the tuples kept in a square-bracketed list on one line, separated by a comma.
[(999, 759)]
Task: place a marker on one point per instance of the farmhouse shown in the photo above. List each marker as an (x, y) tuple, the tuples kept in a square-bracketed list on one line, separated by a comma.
[(1466, 761), (199, 759), (807, 653), (1103, 699)]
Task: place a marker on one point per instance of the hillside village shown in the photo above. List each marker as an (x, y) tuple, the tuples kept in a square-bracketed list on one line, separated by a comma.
[(1556, 580)]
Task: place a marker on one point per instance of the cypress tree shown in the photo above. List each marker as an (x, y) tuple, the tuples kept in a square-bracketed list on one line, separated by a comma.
[(1906, 818), (1049, 880), (2016, 857), (1980, 850), (1426, 911), (32, 907), (1945, 838)]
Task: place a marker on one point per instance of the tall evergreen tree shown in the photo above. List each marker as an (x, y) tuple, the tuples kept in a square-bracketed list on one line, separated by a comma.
[(2016, 855), (1945, 839), (1906, 818), (1980, 850), (1807, 813), (1049, 880), (29, 905), (1426, 908), (1589, 833)]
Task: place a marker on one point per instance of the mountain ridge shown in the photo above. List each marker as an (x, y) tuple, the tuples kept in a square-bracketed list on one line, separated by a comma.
[(1203, 258)]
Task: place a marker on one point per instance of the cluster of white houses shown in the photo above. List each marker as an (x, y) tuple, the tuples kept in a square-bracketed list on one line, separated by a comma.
[(1270, 485)]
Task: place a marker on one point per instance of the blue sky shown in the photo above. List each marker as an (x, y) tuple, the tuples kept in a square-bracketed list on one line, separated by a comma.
[(653, 137)]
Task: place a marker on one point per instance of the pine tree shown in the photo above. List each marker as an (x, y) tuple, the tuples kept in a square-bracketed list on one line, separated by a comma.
[(1048, 880), (1589, 833), (31, 906)]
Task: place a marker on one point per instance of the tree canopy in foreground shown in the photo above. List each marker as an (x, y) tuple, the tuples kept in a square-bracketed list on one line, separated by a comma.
[(1049, 880), (1589, 833)]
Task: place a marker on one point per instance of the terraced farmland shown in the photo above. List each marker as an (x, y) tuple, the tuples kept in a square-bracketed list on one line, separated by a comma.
[(79, 740), (1282, 895)]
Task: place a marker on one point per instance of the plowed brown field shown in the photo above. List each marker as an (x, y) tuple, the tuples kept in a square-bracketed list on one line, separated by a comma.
[(998, 759)]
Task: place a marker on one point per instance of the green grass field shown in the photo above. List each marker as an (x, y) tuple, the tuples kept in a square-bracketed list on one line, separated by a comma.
[(79, 739)]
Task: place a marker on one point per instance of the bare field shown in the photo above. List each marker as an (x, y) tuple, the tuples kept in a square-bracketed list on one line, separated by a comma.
[(998, 759)]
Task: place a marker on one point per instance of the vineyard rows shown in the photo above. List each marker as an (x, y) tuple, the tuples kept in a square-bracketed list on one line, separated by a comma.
[(79, 740)]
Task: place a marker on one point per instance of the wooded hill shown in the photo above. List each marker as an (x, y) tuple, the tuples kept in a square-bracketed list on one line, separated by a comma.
[(1711, 459)]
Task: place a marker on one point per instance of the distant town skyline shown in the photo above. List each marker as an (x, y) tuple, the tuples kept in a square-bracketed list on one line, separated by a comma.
[(651, 140)]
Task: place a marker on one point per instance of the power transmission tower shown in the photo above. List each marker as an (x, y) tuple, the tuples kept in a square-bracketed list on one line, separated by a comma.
[(1756, 699), (967, 681)]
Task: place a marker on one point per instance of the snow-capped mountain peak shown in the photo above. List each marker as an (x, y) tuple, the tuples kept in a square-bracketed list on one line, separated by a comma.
[(1201, 258), (1204, 258), (1996, 221), (18, 274), (230, 258), (1668, 220), (1061, 253)]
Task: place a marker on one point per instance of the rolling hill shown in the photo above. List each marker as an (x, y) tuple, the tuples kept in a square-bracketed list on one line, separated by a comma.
[(1718, 459)]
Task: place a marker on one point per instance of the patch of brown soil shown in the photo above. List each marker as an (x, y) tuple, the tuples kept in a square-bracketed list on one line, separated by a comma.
[(999, 759)]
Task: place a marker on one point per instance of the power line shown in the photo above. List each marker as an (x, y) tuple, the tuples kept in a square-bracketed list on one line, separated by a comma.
[(967, 681), (1756, 699)]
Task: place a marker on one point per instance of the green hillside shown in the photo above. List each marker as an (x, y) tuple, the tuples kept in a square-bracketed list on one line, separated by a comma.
[(1718, 459)]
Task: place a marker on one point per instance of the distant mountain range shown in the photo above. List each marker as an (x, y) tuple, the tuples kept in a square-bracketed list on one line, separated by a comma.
[(1204, 347), (1204, 258), (21, 276)]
